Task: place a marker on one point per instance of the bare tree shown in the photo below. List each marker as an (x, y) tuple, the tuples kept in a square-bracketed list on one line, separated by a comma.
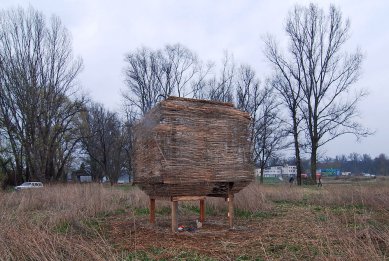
[(184, 66), (128, 138), (152, 76), (103, 142), (267, 130), (270, 136), (220, 88), (143, 76), (37, 102), (288, 85), (249, 96), (201, 82), (325, 74)]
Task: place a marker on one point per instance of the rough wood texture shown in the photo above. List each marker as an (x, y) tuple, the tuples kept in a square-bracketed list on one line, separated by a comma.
[(188, 147), (187, 198), (202, 210), (152, 210)]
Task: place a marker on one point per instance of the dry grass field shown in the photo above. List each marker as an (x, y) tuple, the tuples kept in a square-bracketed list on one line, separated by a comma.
[(273, 222)]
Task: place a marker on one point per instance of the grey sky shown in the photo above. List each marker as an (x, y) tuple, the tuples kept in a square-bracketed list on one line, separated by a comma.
[(103, 31)]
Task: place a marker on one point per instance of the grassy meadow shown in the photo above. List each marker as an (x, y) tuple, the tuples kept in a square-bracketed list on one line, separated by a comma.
[(272, 222)]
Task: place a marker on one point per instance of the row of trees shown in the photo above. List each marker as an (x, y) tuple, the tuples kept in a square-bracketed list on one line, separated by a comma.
[(47, 128), (105, 141), (153, 75), (357, 163), (313, 80), (37, 102), (354, 163)]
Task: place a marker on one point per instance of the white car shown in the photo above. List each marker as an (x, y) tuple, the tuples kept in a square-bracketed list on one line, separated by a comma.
[(28, 185)]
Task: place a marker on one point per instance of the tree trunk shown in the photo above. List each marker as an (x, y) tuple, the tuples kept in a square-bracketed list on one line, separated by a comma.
[(261, 177), (298, 165), (313, 163), (297, 151)]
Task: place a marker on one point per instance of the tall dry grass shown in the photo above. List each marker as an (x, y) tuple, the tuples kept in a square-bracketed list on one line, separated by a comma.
[(369, 195), (34, 224), (53, 223)]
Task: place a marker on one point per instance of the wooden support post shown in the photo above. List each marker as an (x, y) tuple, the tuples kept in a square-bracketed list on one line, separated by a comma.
[(174, 205), (152, 210), (231, 209), (202, 210)]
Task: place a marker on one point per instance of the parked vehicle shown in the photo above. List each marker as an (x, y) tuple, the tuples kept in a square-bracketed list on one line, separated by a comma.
[(29, 185)]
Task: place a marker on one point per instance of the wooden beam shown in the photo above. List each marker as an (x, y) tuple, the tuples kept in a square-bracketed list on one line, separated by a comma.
[(202, 210), (187, 198), (152, 210), (231, 209), (174, 206)]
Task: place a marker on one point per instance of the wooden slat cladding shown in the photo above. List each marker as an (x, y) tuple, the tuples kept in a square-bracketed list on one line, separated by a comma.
[(188, 147)]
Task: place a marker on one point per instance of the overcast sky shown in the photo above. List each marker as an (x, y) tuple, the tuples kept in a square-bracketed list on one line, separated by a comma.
[(104, 31)]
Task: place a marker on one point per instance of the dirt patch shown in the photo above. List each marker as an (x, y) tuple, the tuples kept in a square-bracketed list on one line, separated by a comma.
[(294, 232)]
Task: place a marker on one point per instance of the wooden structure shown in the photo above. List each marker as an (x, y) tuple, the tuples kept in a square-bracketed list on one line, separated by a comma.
[(188, 149)]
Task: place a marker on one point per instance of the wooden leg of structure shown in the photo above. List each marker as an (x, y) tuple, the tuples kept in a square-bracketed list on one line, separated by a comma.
[(202, 210), (231, 209), (174, 215), (152, 210)]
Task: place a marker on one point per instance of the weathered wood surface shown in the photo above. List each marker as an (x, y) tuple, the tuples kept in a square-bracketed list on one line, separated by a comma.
[(152, 210), (187, 198), (202, 210), (188, 147)]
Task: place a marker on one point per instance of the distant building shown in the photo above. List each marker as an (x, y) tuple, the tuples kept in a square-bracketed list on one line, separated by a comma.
[(83, 179), (289, 170), (80, 176), (275, 171), (278, 171)]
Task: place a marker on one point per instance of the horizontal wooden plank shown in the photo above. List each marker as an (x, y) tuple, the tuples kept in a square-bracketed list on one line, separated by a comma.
[(187, 198)]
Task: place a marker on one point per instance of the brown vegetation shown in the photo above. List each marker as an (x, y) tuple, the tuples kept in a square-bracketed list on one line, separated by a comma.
[(94, 222)]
